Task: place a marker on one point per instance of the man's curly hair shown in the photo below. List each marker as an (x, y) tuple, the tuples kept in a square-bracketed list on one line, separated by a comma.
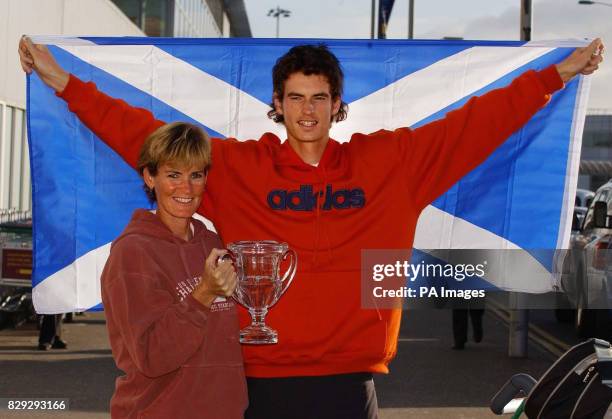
[(308, 59)]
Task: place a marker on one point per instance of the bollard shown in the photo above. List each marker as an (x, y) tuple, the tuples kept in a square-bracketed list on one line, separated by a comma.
[(518, 328)]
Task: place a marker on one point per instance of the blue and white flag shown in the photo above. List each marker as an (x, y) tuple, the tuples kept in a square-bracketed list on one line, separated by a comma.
[(84, 194)]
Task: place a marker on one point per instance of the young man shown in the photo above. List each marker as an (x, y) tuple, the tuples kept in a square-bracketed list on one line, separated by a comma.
[(328, 201)]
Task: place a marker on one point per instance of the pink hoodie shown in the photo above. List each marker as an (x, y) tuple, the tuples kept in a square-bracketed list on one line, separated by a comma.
[(180, 358)]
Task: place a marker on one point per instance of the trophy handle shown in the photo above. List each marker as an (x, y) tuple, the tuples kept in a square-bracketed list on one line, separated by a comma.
[(237, 295), (288, 277)]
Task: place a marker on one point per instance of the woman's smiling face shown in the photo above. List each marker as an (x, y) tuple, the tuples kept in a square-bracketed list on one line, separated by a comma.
[(178, 191)]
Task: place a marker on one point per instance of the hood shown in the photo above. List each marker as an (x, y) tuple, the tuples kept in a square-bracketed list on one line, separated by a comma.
[(146, 223), (289, 164)]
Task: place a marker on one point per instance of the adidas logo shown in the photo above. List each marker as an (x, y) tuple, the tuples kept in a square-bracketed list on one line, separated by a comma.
[(305, 199)]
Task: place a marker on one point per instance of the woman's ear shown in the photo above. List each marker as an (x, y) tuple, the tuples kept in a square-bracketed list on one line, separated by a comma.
[(148, 178)]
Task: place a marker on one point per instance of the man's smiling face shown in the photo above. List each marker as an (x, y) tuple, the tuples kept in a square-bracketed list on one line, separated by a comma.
[(307, 108)]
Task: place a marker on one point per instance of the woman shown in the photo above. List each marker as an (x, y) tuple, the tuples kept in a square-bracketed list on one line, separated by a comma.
[(172, 331)]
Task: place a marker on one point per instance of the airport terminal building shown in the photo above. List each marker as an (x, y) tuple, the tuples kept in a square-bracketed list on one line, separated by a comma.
[(596, 156), (170, 18)]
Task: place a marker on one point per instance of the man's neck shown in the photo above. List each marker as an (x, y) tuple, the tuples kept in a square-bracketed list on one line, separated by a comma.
[(309, 152)]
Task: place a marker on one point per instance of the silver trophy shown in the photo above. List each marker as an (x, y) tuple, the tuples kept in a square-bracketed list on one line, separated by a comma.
[(260, 284)]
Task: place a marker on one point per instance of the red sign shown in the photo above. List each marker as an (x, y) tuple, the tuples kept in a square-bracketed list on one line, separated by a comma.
[(16, 263)]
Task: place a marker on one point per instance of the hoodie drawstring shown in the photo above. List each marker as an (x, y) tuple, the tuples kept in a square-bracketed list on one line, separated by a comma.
[(180, 246)]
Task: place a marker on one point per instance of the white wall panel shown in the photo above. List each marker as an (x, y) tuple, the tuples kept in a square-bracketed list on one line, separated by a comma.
[(17, 157), (26, 187), (193, 18), (51, 17), (39, 17), (15, 188), (5, 156)]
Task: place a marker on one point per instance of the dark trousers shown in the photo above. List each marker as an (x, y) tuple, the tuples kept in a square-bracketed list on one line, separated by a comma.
[(460, 322), (342, 396), (50, 328)]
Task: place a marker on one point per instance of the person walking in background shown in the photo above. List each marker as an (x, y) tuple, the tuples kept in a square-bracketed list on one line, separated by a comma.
[(460, 325), (50, 336)]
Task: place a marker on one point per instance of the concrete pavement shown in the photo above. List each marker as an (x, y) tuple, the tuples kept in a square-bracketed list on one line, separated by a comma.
[(430, 380), (427, 380)]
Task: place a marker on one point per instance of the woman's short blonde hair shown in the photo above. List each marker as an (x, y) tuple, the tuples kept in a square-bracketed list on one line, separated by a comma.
[(179, 143)]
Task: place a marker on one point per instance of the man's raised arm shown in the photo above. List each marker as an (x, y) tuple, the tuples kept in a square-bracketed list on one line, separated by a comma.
[(121, 126), (441, 152)]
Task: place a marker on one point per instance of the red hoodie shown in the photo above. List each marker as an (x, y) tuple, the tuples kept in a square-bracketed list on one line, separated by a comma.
[(366, 193), (180, 358)]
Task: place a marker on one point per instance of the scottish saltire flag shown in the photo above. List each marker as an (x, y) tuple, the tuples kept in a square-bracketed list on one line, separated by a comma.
[(84, 194)]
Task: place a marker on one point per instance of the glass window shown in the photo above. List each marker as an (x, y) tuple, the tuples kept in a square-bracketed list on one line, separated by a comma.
[(156, 17), (597, 131), (132, 9), (588, 219)]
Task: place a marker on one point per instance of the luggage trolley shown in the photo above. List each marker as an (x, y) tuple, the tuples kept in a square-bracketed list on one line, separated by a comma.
[(577, 386)]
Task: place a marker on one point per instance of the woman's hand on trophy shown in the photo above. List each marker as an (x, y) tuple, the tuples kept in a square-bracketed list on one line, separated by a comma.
[(218, 280)]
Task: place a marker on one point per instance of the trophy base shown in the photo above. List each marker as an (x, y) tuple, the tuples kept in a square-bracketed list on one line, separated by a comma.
[(262, 335)]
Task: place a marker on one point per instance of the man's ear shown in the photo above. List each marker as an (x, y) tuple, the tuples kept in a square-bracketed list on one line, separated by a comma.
[(278, 105), (148, 179), (336, 106)]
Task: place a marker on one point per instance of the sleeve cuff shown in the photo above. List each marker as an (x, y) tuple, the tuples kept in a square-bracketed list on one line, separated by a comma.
[(72, 90), (550, 78), (195, 304), (199, 311)]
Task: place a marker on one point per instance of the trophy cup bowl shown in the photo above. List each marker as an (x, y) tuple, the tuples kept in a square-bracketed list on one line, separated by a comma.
[(260, 284)]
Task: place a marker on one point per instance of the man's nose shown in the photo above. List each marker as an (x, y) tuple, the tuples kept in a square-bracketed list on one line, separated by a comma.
[(308, 106)]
